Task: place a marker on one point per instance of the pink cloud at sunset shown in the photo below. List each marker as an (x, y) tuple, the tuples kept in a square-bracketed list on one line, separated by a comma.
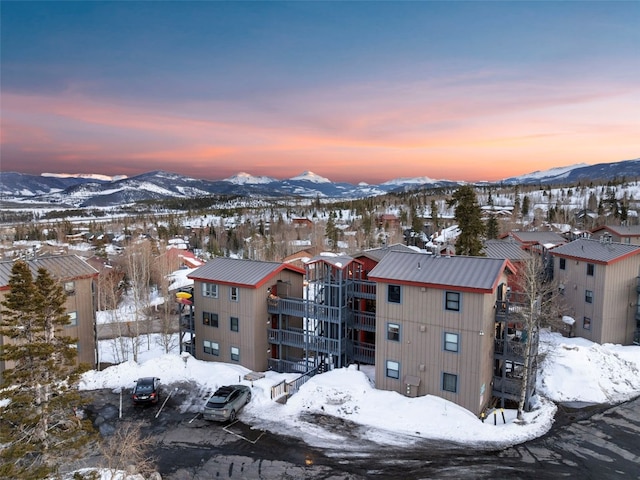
[(432, 92)]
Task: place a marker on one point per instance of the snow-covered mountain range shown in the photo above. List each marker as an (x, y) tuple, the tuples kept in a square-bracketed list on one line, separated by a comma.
[(101, 190)]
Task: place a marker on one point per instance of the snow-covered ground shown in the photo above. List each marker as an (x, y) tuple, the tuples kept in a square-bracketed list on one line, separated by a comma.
[(572, 369)]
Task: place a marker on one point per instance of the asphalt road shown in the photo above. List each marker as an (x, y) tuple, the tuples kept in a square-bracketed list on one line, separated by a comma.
[(587, 443)]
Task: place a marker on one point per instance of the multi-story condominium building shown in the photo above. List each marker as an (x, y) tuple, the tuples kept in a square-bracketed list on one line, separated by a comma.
[(229, 303), (78, 279), (431, 325), (599, 281), (436, 324)]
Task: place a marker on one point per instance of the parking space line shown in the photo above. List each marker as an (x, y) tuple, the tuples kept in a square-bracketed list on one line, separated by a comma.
[(165, 402), (226, 429), (197, 415)]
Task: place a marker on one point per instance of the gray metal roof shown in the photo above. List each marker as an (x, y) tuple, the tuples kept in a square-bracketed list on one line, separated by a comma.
[(539, 237), (377, 253), (621, 230), (61, 267), (340, 261), (236, 271), (595, 250), (507, 250), (456, 271)]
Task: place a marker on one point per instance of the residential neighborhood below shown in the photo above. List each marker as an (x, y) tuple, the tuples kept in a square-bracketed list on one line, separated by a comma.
[(375, 283)]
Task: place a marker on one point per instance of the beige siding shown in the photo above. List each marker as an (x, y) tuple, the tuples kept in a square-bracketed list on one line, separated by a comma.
[(612, 311), (420, 351), (619, 305), (251, 311), (81, 302)]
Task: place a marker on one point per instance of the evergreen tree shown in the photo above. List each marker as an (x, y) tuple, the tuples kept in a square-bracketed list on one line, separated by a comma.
[(525, 206), (469, 217), (493, 229), (38, 426), (332, 232), (434, 215)]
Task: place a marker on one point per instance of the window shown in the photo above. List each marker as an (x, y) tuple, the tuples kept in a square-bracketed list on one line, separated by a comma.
[(210, 319), (393, 332), (73, 319), (449, 382), (452, 301), (235, 354), (393, 369), (563, 264), (70, 288), (586, 323), (451, 342), (234, 294), (588, 296), (590, 269), (210, 290), (235, 324), (212, 348), (393, 294)]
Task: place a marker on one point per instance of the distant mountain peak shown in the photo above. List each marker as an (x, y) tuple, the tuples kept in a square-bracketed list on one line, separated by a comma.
[(552, 172), (90, 176), (311, 177), (410, 181), (244, 178)]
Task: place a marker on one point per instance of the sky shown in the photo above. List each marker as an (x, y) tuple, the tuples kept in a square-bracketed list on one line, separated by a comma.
[(358, 91)]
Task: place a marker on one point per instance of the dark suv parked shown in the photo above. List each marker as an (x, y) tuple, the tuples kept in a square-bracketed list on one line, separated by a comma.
[(147, 390)]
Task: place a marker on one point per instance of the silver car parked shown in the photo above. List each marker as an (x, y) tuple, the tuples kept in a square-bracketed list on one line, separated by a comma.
[(226, 402)]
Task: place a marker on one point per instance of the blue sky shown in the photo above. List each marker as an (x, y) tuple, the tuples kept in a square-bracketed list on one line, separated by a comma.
[(355, 91)]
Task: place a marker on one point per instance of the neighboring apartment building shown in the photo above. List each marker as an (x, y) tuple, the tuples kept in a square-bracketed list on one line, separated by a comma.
[(78, 280), (599, 281), (508, 250), (537, 241), (435, 324), (230, 308), (629, 234)]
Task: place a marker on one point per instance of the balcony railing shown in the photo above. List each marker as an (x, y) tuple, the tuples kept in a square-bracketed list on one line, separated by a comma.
[(291, 365), (187, 323), (298, 307), (507, 386), (362, 352), (362, 289), (364, 321), (306, 340), (511, 349)]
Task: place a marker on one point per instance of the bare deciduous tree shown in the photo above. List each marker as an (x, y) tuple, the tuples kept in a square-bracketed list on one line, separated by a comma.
[(540, 305), (139, 260), (163, 266), (126, 448)]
